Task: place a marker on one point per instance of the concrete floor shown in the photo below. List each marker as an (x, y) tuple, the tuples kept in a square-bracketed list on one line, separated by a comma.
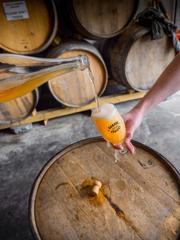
[(22, 156)]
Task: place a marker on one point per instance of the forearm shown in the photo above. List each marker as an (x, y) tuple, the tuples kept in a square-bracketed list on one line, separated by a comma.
[(167, 84)]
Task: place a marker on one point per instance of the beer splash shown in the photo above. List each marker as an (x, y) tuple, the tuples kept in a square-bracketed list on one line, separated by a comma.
[(116, 152), (86, 191), (116, 155)]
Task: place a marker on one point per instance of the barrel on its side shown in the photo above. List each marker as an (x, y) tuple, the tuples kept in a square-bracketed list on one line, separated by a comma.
[(75, 88), (136, 61), (19, 108), (28, 26), (139, 200), (106, 48), (102, 19)]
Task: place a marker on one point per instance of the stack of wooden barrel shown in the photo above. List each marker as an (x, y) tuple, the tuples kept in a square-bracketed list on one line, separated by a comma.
[(117, 48)]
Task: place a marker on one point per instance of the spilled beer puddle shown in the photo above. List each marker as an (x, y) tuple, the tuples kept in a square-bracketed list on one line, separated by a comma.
[(99, 200)]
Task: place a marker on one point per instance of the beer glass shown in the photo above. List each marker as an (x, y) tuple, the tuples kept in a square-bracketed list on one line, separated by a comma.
[(109, 123)]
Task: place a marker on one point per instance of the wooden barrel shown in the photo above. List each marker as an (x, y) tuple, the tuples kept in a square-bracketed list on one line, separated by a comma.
[(28, 26), (102, 19), (19, 108), (136, 61), (139, 197), (106, 48), (74, 89)]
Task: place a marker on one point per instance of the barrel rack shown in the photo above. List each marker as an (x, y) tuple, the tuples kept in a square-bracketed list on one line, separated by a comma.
[(45, 115)]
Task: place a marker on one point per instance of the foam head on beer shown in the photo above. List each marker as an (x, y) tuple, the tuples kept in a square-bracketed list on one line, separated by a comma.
[(109, 123)]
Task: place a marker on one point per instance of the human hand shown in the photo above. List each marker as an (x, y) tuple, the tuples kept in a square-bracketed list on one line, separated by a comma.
[(132, 121)]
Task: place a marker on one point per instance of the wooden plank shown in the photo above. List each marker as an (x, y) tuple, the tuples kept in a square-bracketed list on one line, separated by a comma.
[(54, 113), (61, 210)]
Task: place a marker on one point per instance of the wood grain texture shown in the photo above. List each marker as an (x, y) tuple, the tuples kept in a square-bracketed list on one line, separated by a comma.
[(59, 112), (137, 61), (31, 35), (19, 108), (75, 88), (102, 19), (144, 186)]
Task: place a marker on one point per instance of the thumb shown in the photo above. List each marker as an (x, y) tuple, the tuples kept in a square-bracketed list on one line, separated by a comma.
[(128, 143)]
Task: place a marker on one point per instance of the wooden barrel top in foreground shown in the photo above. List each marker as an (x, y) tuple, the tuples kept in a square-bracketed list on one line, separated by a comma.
[(102, 19), (144, 187), (27, 26)]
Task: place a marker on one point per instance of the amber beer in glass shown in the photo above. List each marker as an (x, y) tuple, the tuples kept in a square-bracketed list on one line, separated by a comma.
[(109, 123)]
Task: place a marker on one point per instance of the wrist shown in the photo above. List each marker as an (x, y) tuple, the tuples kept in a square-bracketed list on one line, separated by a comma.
[(144, 106), (140, 109)]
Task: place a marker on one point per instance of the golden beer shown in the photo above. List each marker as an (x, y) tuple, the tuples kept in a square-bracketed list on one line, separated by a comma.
[(109, 123)]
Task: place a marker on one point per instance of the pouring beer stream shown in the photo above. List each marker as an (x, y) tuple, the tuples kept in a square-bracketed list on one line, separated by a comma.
[(108, 122)]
